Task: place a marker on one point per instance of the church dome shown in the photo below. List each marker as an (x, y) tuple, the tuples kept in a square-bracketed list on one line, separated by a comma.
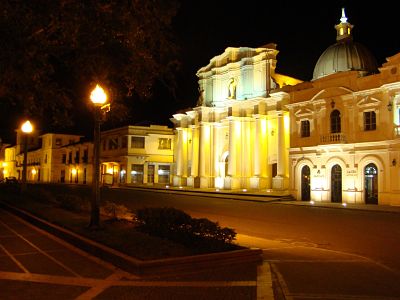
[(345, 55)]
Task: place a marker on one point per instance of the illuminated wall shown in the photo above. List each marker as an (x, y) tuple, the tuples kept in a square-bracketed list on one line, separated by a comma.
[(369, 116), (238, 135)]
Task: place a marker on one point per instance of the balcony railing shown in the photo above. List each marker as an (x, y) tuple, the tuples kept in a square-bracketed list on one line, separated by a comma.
[(333, 138), (397, 130)]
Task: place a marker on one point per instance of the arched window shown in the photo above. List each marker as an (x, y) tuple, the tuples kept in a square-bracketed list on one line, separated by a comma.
[(335, 122)]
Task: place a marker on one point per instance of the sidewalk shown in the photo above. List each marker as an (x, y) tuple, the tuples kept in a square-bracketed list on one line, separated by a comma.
[(270, 196)]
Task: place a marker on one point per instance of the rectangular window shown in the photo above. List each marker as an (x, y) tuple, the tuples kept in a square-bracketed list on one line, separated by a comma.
[(164, 143), (85, 157), (137, 173), (137, 142), (113, 143), (124, 142), (163, 173), (64, 158), (70, 157), (58, 142), (305, 128), (369, 120), (77, 157)]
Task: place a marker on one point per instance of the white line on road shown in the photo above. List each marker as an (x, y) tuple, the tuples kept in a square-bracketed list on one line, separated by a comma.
[(264, 282)]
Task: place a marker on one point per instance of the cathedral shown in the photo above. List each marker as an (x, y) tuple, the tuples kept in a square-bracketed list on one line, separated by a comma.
[(335, 138)]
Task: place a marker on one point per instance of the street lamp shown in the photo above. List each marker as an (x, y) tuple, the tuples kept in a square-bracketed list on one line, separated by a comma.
[(26, 128), (99, 98)]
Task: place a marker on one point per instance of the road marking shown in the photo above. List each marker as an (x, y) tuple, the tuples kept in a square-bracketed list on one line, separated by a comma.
[(281, 282), (80, 252), (264, 282), (18, 263), (92, 282), (41, 251), (341, 297), (98, 289)]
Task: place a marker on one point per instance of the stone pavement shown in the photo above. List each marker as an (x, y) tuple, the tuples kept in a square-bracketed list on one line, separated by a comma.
[(37, 265)]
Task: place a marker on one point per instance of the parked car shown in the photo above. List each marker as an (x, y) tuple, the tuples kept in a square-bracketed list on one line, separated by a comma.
[(11, 180)]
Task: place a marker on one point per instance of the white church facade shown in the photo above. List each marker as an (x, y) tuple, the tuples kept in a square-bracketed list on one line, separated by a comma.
[(335, 138), (238, 135)]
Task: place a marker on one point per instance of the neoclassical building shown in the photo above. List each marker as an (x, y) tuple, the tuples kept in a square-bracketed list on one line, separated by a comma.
[(237, 137), (344, 127), (335, 138)]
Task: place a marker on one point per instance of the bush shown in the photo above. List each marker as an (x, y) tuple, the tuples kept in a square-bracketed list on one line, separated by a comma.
[(72, 202), (178, 226), (115, 211)]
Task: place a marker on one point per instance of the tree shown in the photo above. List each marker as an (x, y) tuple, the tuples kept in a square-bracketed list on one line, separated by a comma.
[(53, 52)]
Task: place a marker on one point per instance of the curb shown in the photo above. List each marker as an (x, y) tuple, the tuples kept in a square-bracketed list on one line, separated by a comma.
[(150, 268), (235, 196)]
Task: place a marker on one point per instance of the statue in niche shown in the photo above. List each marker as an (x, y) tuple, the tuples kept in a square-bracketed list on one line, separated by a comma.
[(200, 100), (232, 89)]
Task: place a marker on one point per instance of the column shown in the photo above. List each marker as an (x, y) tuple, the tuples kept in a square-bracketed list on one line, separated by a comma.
[(281, 147), (232, 149), (280, 182)]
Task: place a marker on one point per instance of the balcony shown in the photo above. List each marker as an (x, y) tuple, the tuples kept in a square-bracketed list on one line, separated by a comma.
[(397, 131), (333, 138)]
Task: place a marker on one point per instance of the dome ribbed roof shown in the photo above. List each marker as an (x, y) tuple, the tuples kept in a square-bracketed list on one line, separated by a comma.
[(345, 55)]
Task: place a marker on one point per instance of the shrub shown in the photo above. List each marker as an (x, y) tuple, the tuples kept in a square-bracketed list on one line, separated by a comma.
[(116, 211), (72, 202), (178, 226)]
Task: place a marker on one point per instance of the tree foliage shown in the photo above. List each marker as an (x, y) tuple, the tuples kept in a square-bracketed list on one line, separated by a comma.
[(54, 51)]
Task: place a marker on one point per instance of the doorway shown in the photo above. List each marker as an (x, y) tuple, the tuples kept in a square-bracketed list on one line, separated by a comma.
[(305, 184), (336, 184), (371, 184)]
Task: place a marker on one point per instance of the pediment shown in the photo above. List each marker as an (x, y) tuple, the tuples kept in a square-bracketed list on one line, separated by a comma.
[(331, 93), (303, 112), (368, 101)]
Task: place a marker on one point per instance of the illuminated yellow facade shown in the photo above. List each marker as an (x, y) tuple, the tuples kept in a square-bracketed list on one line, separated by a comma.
[(238, 135), (137, 155), (344, 132), (333, 139)]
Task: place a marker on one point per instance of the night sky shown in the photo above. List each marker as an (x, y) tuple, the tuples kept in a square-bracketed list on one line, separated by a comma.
[(302, 30)]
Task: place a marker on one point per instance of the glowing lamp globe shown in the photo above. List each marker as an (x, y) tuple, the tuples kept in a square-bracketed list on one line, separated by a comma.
[(98, 96), (27, 127)]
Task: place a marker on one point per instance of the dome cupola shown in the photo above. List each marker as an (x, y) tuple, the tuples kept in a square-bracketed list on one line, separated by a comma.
[(345, 54)]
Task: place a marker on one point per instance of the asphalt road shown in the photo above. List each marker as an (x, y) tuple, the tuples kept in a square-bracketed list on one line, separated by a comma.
[(316, 253)]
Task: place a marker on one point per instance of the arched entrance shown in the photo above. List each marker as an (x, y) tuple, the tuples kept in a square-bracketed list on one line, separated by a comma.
[(371, 184), (336, 184), (305, 184)]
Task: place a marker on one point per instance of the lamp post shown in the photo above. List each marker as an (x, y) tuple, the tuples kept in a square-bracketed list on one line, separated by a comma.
[(98, 97), (26, 128)]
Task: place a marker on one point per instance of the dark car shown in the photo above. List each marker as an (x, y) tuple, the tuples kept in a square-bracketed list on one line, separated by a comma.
[(11, 180)]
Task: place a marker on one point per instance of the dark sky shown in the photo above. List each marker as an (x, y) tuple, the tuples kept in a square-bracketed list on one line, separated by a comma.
[(302, 30)]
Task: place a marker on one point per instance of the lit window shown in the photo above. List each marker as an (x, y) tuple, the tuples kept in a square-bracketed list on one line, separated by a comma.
[(305, 128), (369, 120), (164, 143)]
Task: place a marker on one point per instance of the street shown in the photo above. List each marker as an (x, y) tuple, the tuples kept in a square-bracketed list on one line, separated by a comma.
[(316, 252)]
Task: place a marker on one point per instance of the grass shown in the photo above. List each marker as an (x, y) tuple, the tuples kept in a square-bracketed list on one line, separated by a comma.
[(121, 235)]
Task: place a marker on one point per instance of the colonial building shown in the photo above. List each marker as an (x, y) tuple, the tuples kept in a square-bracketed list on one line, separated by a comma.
[(238, 135), (137, 154), (344, 132), (131, 154), (335, 138)]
